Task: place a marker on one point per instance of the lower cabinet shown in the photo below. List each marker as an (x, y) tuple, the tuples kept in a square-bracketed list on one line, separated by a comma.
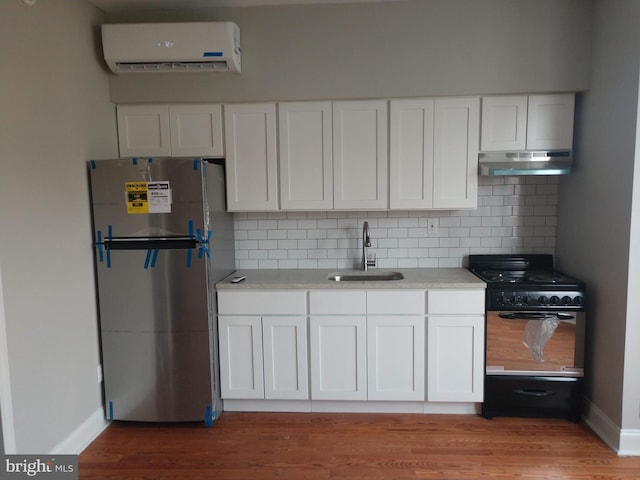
[(395, 358), (455, 359), (338, 358), (349, 345), (263, 357)]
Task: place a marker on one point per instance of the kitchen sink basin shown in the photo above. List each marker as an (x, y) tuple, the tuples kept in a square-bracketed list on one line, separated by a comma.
[(362, 276)]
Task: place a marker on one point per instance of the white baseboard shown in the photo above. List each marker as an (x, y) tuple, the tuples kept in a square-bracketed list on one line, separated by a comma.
[(82, 436), (623, 441)]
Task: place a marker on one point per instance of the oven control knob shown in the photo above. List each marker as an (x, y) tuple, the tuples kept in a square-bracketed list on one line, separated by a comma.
[(524, 300), (566, 300), (500, 299), (578, 300), (554, 300), (543, 300), (515, 300)]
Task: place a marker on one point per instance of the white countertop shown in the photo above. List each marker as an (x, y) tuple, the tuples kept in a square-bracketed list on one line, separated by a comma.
[(303, 279)]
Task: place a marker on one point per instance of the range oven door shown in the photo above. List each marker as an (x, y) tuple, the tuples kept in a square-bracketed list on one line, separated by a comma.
[(535, 343)]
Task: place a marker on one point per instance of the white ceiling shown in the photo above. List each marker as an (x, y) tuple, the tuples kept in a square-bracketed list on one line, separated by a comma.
[(110, 6)]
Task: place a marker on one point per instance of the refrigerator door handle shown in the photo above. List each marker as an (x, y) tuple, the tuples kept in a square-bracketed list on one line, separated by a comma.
[(151, 244)]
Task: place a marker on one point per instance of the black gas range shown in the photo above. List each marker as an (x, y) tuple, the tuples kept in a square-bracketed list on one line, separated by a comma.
[(527, 282), (535, 327)]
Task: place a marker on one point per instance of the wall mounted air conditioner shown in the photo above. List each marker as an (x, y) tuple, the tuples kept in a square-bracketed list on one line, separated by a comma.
[(172, 47)]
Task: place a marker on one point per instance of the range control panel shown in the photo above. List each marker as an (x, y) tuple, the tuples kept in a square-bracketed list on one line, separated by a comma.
[(556, 300)]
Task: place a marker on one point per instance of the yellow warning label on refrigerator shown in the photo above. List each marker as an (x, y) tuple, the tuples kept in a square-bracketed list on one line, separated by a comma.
[(148, 197), (137, 197)]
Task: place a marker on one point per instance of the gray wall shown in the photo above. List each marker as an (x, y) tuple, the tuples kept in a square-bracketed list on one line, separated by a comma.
[(598, 237), (55, 114), (388, 49)]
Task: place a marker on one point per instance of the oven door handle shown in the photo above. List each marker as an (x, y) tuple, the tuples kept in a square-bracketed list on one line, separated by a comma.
[(535, 316), (534, 392)]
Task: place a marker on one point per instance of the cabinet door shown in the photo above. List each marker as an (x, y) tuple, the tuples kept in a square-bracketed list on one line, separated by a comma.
[(550, 121), (196, 130), (411, 154), (143, 130), (285, 358), (455, 358), (456, 139), (251, 167), (241, 374), (305, 156), (395, 357), (360, 156), (338, 358), (504, 123)]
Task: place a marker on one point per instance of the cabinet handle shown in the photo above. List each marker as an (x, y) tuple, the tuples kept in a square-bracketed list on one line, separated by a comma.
[(534, 392)]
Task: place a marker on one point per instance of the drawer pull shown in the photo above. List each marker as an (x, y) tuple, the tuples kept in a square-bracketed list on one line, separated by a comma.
[(534, 392)]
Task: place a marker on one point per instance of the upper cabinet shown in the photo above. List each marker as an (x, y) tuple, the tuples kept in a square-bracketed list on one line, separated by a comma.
[(434, 153), (521, 122), (360, 155), (305, 155), (193, 130), (251, 166)]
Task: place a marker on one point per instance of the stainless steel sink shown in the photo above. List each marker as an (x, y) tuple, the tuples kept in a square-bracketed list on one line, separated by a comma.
[(362, 276)]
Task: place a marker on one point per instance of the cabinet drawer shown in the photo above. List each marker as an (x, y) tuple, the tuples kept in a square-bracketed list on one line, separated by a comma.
[(396, 302), (455, 301), (341, 303), (262, 303)]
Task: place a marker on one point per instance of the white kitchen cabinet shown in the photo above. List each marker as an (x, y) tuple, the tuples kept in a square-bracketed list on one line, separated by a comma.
[(550, 121), (455, 358), (533, 122), (143, 130), (196, 131), (338, 347), (251, 161), (411, 154), (455, 146), (396, 345), (455, 345), (395, 357), (241, 364), (305, 155), (360, 155), (285, 358), (177, 130), (338, 344), (434, 153), (263, 345), (504, 123)]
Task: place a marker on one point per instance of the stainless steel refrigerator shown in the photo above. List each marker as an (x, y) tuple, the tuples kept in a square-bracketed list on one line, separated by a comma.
[(163, 239)]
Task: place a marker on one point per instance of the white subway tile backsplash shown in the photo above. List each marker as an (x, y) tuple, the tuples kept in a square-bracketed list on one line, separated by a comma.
[(514, 215)]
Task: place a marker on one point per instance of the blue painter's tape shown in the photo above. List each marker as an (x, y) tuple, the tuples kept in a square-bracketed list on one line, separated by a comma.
[(134, 160), (93, 164), (191, 229), (154, 259), (212, 54), (149, 160), (196, 163), (189, 257), (148, 259), (208, 417), (109, 237), (99, 246), (110, 410)]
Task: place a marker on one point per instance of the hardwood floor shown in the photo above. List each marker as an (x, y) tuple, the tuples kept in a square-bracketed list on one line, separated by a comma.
[(258, 446)]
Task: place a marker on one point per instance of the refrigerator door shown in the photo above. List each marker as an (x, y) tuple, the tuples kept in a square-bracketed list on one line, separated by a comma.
[(155, 337), (111, 184)]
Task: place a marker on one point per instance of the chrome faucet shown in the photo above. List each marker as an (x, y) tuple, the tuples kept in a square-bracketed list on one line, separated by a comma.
[(366, 242)]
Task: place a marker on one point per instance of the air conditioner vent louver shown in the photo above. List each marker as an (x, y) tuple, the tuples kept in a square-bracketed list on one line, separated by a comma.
[(172, 47), (209, 66)]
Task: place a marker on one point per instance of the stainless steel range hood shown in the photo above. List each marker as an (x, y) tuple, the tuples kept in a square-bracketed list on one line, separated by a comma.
[(525, 163)]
